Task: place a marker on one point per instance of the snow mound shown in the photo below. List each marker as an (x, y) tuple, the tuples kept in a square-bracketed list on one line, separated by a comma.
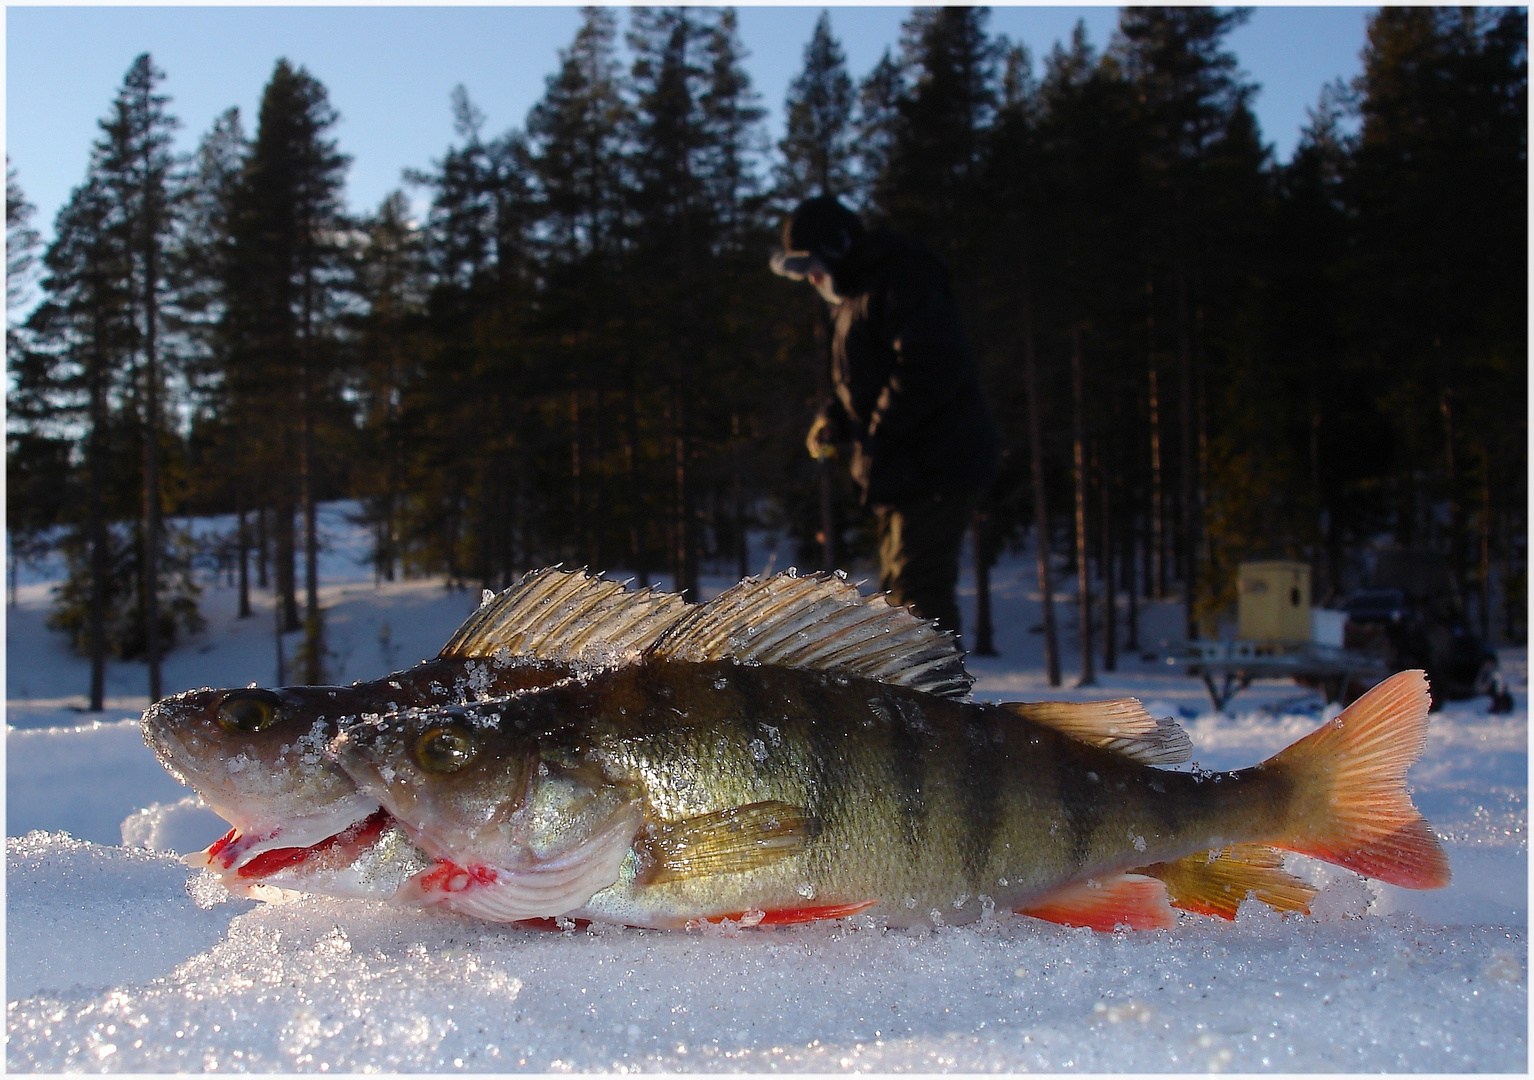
[(81, 917), (320, 985)]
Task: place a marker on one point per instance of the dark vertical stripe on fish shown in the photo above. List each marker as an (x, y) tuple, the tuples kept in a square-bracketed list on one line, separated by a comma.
[(828, 797), (980, 795), (1082, 802), (907, 759)]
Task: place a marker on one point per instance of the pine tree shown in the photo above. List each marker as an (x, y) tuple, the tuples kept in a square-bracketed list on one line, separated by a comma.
[(76, 371), (877, 123), (577, 136), (135, 162), (1438, 308), (203, 272), (29, 510), (1200, 150), (671, 201), (576, 132), (285, 259), (817, 142), (930, 182), (390, 283)]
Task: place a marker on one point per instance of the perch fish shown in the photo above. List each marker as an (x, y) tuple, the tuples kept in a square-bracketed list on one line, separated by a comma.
[(753, 765), (256, 756)]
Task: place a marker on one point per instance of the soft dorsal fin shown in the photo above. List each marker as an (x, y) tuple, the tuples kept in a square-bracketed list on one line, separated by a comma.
[(555, 614), (1121, 725), (820, 622)]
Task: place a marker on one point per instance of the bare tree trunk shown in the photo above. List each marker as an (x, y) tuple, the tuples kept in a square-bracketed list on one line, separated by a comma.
[(1131, 587), (277, 626), (1510, 607), (738, 497), (686, 535), (631, 463), (282, 542), (152, 645), (1040, 502), (1456, 505), (577, 495), (1155, 580), (985, 633), (1189, 514), (1110, 592), (242, 541), (1485, 552), (1083, 572), (314, 648), (263, 547), (97, 529), (600, 468)]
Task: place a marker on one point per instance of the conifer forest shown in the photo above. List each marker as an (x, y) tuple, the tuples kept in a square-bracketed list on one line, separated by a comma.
[(1195, 355)]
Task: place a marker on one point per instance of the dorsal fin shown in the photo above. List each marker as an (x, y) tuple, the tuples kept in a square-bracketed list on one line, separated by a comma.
[(555, 614), (820, 622), (1121, 725)]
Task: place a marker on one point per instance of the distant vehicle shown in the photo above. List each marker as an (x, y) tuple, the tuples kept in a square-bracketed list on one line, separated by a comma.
[(1408, 630)]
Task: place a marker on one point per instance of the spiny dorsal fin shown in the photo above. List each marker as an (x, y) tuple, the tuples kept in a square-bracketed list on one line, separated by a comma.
[(1215, 882), (1121, 725), (822, 623), (555, 614)]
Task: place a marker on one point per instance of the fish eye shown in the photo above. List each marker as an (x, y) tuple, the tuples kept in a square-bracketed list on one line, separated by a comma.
[(445, 749), (250, 711)]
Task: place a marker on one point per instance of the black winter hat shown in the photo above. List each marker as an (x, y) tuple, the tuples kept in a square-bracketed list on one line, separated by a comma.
[(824, 227)]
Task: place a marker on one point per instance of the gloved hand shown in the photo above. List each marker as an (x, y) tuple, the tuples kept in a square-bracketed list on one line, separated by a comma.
[(821, 441)]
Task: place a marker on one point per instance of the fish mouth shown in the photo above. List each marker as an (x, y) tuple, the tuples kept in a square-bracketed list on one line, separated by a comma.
[(250, 858)]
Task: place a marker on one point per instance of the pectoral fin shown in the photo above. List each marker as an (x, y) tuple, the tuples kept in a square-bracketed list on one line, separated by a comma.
[(728, 841), (1215, 882), (1107, 903)]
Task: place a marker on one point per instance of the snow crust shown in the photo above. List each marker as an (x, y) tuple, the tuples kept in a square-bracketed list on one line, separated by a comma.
[(121, 958), (338, 986)]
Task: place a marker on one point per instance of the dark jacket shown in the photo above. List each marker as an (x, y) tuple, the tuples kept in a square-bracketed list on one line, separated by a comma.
[(907, 387)]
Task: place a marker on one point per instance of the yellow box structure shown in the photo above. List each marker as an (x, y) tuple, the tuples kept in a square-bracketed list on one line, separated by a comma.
[(1273, 601)]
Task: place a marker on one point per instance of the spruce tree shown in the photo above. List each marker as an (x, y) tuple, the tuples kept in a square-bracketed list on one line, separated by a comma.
[(930, 182), (285, 264), (135, 162), (1438, 306), (816, 147), (76, 373), (1198, 139)]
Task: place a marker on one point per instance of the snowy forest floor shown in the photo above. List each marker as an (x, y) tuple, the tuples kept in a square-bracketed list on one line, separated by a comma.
[(119, 959)]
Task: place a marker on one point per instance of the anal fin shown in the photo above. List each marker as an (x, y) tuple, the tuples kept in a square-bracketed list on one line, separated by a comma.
[(728, 841), (1215, 882), (1122, 900)]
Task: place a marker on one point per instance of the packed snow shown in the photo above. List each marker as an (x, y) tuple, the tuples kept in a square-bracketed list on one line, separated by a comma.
[(121, 958)]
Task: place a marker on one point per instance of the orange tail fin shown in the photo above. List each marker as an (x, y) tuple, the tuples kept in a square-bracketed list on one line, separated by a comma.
[(1351, 806)]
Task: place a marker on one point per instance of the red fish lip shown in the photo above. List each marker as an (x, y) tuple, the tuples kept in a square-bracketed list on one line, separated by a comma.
[(343, 847)]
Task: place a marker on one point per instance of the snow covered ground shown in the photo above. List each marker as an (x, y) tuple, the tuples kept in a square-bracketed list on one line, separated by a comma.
[(120, 959)]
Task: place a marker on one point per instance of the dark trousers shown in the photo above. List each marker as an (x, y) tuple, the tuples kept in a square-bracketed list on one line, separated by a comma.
[(919, 554)]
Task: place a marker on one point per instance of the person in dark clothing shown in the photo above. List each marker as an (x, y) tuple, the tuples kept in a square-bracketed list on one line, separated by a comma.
[(907, 396)]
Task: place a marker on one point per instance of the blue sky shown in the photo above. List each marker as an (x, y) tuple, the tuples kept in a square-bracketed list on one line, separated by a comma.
[(390, 70)]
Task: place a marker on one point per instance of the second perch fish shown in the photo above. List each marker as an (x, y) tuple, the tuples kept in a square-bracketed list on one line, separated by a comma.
[(748, 768)]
